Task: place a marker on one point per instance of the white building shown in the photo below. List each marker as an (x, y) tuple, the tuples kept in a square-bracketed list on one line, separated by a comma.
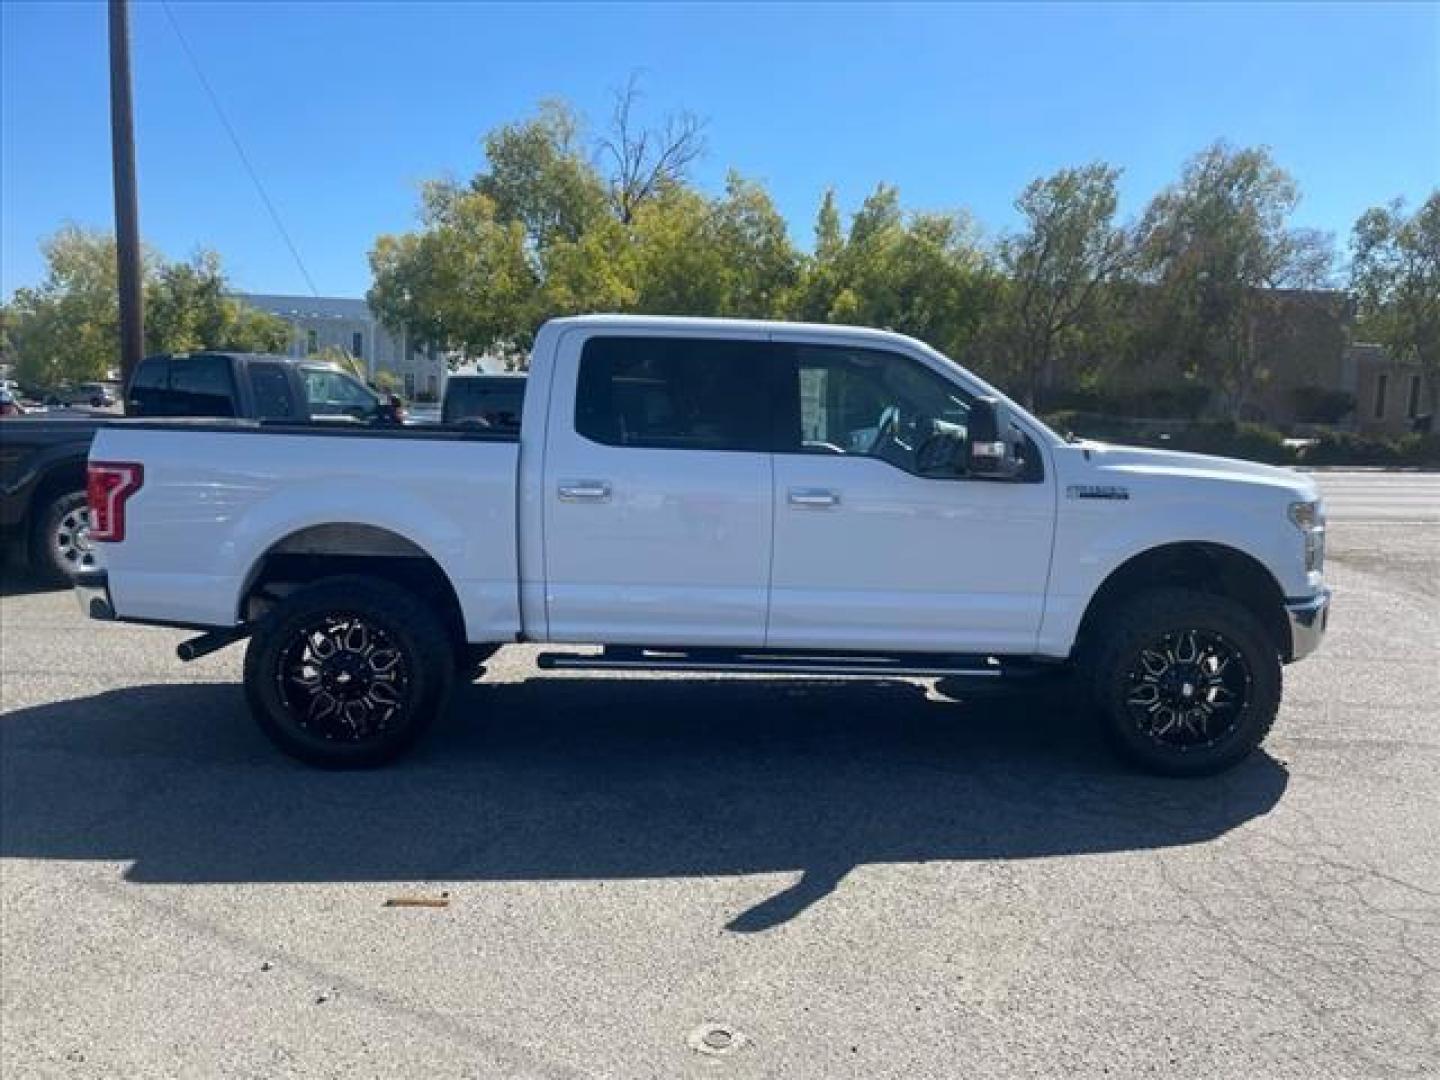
[(344, 323)]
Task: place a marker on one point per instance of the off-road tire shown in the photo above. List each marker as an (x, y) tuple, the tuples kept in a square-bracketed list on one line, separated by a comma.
[(1130, 648), (282, 689)]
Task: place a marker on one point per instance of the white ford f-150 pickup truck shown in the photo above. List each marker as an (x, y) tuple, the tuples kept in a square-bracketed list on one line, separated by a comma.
[(718, 496)]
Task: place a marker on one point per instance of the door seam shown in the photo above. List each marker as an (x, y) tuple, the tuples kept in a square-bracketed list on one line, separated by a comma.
[(770, 569)]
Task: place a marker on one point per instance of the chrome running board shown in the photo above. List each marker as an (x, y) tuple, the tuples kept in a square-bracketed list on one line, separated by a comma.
[(787, 662)]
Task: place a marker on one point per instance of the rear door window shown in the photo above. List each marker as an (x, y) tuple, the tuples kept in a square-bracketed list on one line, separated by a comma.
[(270, 386), (202, 386), (676, 393)]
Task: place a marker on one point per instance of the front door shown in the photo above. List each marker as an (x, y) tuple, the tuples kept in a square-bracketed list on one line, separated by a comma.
[(881, 542), (658, 491)]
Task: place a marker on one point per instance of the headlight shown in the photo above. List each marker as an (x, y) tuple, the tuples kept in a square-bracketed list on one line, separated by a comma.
[(1307, 515), (1309, 518)]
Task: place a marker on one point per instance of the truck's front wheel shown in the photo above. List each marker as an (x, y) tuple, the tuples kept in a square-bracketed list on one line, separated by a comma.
[(1188, 683), (347, 672)]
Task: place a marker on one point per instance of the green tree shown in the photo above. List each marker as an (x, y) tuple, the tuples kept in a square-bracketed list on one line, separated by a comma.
[(829, 234), (1216, 246), (188, 307), (1395, 277), (729, 256), (466, 281), (67, 328), (538, 176), (540, 232), (923, 274), (1058, 266)]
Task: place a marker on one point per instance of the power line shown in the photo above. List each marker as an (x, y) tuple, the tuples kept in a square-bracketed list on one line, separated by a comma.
[(239, 150)]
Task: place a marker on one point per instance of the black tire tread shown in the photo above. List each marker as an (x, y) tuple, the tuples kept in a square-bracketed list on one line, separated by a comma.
[(391, 604), (1150, 613), (43, 563)]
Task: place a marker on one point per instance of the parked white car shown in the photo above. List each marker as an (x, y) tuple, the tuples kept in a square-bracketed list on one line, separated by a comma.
[(716, 495)]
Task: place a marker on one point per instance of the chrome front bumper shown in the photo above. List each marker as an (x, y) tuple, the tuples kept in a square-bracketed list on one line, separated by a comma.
[(92, 591), (1308, 619)]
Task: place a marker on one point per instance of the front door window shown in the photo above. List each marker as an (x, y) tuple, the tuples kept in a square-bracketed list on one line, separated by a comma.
[(870, 403)]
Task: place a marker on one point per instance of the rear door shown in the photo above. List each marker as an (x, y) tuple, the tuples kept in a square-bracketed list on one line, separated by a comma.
[(271, 394), (149, 393), (658, 509)]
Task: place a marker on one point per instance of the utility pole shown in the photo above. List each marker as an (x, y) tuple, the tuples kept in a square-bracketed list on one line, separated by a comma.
[(127, 213)]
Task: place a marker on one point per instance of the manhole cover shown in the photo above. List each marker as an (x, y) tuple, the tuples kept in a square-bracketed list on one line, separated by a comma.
[(715, 1039)]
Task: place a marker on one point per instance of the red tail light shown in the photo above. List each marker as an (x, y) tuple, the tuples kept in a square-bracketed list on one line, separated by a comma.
[(107, 485)]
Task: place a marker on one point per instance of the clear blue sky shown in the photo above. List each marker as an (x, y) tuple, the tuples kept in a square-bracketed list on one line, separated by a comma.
[(345, 107)]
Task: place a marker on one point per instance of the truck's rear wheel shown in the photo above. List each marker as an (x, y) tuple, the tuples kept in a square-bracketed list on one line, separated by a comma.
[(60, 545), (348, 672), (1187, 683)]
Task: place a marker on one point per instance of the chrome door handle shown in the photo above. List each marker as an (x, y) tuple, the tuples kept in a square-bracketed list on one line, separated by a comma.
[(814, 498), (584, 491)]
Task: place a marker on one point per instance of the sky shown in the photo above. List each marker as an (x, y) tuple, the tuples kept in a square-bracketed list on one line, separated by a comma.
[(345, 108)]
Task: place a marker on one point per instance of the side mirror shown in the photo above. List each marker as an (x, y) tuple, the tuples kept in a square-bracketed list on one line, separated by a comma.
[(992, 445)]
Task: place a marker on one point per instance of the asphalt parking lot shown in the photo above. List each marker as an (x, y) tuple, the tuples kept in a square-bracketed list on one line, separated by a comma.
[(852, 880)]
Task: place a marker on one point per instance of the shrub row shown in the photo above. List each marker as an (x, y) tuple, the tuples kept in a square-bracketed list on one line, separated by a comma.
[(1253, 442), (1345, 448), (1185, 401)]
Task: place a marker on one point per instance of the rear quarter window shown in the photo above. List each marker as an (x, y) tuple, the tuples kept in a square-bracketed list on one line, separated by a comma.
[(150, 388), (270, 386)]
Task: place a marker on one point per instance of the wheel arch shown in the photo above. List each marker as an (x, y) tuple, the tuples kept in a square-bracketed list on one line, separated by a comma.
[(1203, 565), (308, 554), (64, 473)]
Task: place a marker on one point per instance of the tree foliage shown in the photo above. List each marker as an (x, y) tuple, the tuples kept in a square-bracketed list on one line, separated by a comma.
[(560, 220), (556, 225), (1395, 277), (67, 329), (550, 228), (1058, 266), (1215, 247)]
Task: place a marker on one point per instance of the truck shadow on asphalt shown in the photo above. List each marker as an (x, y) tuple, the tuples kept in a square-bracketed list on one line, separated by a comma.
[(16, 580), (600, 778)]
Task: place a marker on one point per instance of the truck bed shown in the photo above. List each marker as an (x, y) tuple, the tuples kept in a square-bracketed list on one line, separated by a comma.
[(218, 495)]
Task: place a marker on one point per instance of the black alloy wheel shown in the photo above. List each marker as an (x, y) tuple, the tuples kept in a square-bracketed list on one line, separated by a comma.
[(1188, 689), (1187, 683), (343, 678), (348, 672)]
